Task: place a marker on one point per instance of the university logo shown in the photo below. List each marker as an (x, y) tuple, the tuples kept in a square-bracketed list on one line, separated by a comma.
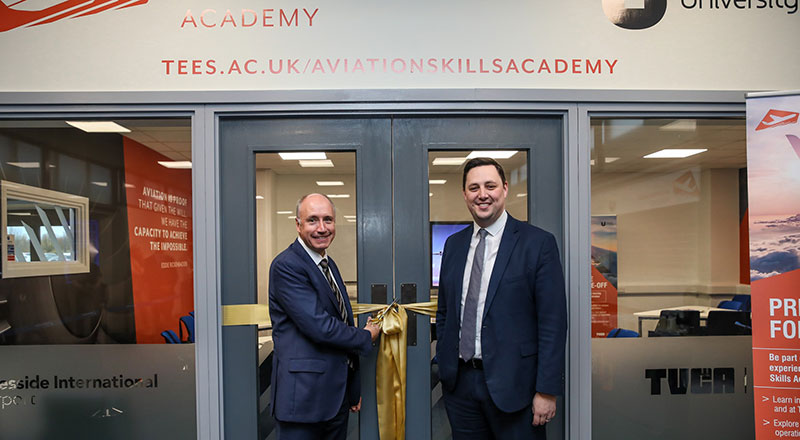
[(14, 14), (776, 118), (635, 14)]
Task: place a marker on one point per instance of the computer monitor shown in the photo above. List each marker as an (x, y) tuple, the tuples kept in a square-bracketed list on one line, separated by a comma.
[(439, 233)]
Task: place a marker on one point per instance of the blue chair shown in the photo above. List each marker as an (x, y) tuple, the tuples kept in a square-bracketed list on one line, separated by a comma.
[(170, 337), (622, 333), (731, 305), (187, 322), (745, 300)]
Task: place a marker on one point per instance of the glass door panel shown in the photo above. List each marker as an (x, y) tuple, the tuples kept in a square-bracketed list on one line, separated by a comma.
[(281, 180), (267, 165), (448, 214), (429, 157)]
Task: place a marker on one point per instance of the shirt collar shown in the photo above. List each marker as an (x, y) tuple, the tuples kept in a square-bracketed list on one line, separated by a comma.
[(314, 256), (495, 228)]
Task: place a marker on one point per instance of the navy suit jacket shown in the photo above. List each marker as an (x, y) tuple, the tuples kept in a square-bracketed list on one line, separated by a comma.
[(310, 375), (523, 334)]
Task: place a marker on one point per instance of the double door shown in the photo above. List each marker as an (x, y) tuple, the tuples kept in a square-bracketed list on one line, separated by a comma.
[(396, 185)]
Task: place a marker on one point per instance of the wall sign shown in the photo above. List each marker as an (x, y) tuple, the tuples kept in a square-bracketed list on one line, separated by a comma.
[(358, 44)]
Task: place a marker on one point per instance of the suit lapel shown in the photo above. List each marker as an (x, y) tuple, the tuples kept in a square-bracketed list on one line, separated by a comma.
[(317, 279), (460, 260), (507, 243)]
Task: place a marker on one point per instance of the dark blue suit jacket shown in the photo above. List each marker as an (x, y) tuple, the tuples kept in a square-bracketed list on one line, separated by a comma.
[(309, 372), (523, 337)]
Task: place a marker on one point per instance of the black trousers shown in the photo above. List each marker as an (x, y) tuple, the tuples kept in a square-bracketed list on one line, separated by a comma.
[(474, 416)]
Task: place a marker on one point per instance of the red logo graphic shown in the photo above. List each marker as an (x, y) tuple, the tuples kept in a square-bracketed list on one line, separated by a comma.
[(776, 118), (13, 13), (685, 184)]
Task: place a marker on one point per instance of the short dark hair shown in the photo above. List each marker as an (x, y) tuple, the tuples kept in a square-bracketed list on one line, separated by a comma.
[(479, 162)]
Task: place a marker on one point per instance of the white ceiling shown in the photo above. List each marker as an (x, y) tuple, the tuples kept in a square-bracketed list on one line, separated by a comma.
[(618, 145), (170, 137), (631, 139)]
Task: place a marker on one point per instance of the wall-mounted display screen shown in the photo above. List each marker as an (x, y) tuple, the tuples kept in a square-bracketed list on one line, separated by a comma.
[(439, 233)]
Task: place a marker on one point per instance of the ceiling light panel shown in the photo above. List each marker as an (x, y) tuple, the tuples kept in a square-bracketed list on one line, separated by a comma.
[(675, 153), (330, 183), (303, 156), (98, 126), (176, 164), (442, 161), (24, 164), (493, 154), (320, 163)]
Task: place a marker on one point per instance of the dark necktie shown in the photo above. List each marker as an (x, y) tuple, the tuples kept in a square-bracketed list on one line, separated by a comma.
[(327, 271), (466, 346)]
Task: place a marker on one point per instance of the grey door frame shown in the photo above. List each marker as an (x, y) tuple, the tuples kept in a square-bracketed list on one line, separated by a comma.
[(449, 109), (206, 107)]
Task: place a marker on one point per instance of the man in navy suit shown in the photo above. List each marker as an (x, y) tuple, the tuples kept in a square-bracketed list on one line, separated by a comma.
[(315, 362), (501, 321)]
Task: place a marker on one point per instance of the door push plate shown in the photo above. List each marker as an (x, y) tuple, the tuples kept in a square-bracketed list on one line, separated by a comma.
[(378, 293), (408, 295)]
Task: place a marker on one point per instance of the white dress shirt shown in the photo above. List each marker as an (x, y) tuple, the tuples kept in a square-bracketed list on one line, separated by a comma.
[(314, 256), (493, 238)]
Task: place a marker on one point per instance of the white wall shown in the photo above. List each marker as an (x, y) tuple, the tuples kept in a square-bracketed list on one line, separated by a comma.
[(276, 232)]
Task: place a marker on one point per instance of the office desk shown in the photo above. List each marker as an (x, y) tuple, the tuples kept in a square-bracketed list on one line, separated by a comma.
[(265, 346), (656, 313)]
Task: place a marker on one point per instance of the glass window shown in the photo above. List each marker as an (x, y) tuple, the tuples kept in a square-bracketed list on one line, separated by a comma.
[(97, 341), (47, 232), (670, 279)]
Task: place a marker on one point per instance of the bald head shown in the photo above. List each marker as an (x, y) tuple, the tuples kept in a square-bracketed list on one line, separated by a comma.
[(316, 221)]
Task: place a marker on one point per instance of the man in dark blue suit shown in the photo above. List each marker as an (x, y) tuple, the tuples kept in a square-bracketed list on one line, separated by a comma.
[(501, 321), (315, 362)]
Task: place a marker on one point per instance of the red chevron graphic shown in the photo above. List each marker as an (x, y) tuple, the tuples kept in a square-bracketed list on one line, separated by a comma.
[(776, 118), (12, 17)]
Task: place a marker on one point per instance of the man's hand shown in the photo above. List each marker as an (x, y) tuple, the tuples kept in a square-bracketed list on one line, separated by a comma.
[(357, 407), (373, 329), (544, 408)]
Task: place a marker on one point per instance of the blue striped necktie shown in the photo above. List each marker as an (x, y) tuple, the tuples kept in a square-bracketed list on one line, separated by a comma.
[(327, 271)]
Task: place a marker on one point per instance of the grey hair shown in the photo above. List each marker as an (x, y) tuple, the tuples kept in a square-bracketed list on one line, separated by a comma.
[(300, 201)]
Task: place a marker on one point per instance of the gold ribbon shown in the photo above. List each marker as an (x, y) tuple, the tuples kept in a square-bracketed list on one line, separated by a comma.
[(390, 371), (245, 314)]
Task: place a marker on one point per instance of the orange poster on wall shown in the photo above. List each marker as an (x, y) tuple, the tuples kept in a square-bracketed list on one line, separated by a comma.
[(604, 275), (773, 167), (159, 203)]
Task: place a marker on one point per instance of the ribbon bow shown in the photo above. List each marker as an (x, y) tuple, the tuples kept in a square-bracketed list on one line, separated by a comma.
[(390, 374)]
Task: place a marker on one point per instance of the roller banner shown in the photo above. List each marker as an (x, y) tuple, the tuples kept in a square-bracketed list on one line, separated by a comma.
[(773, 167), (604, 275)]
